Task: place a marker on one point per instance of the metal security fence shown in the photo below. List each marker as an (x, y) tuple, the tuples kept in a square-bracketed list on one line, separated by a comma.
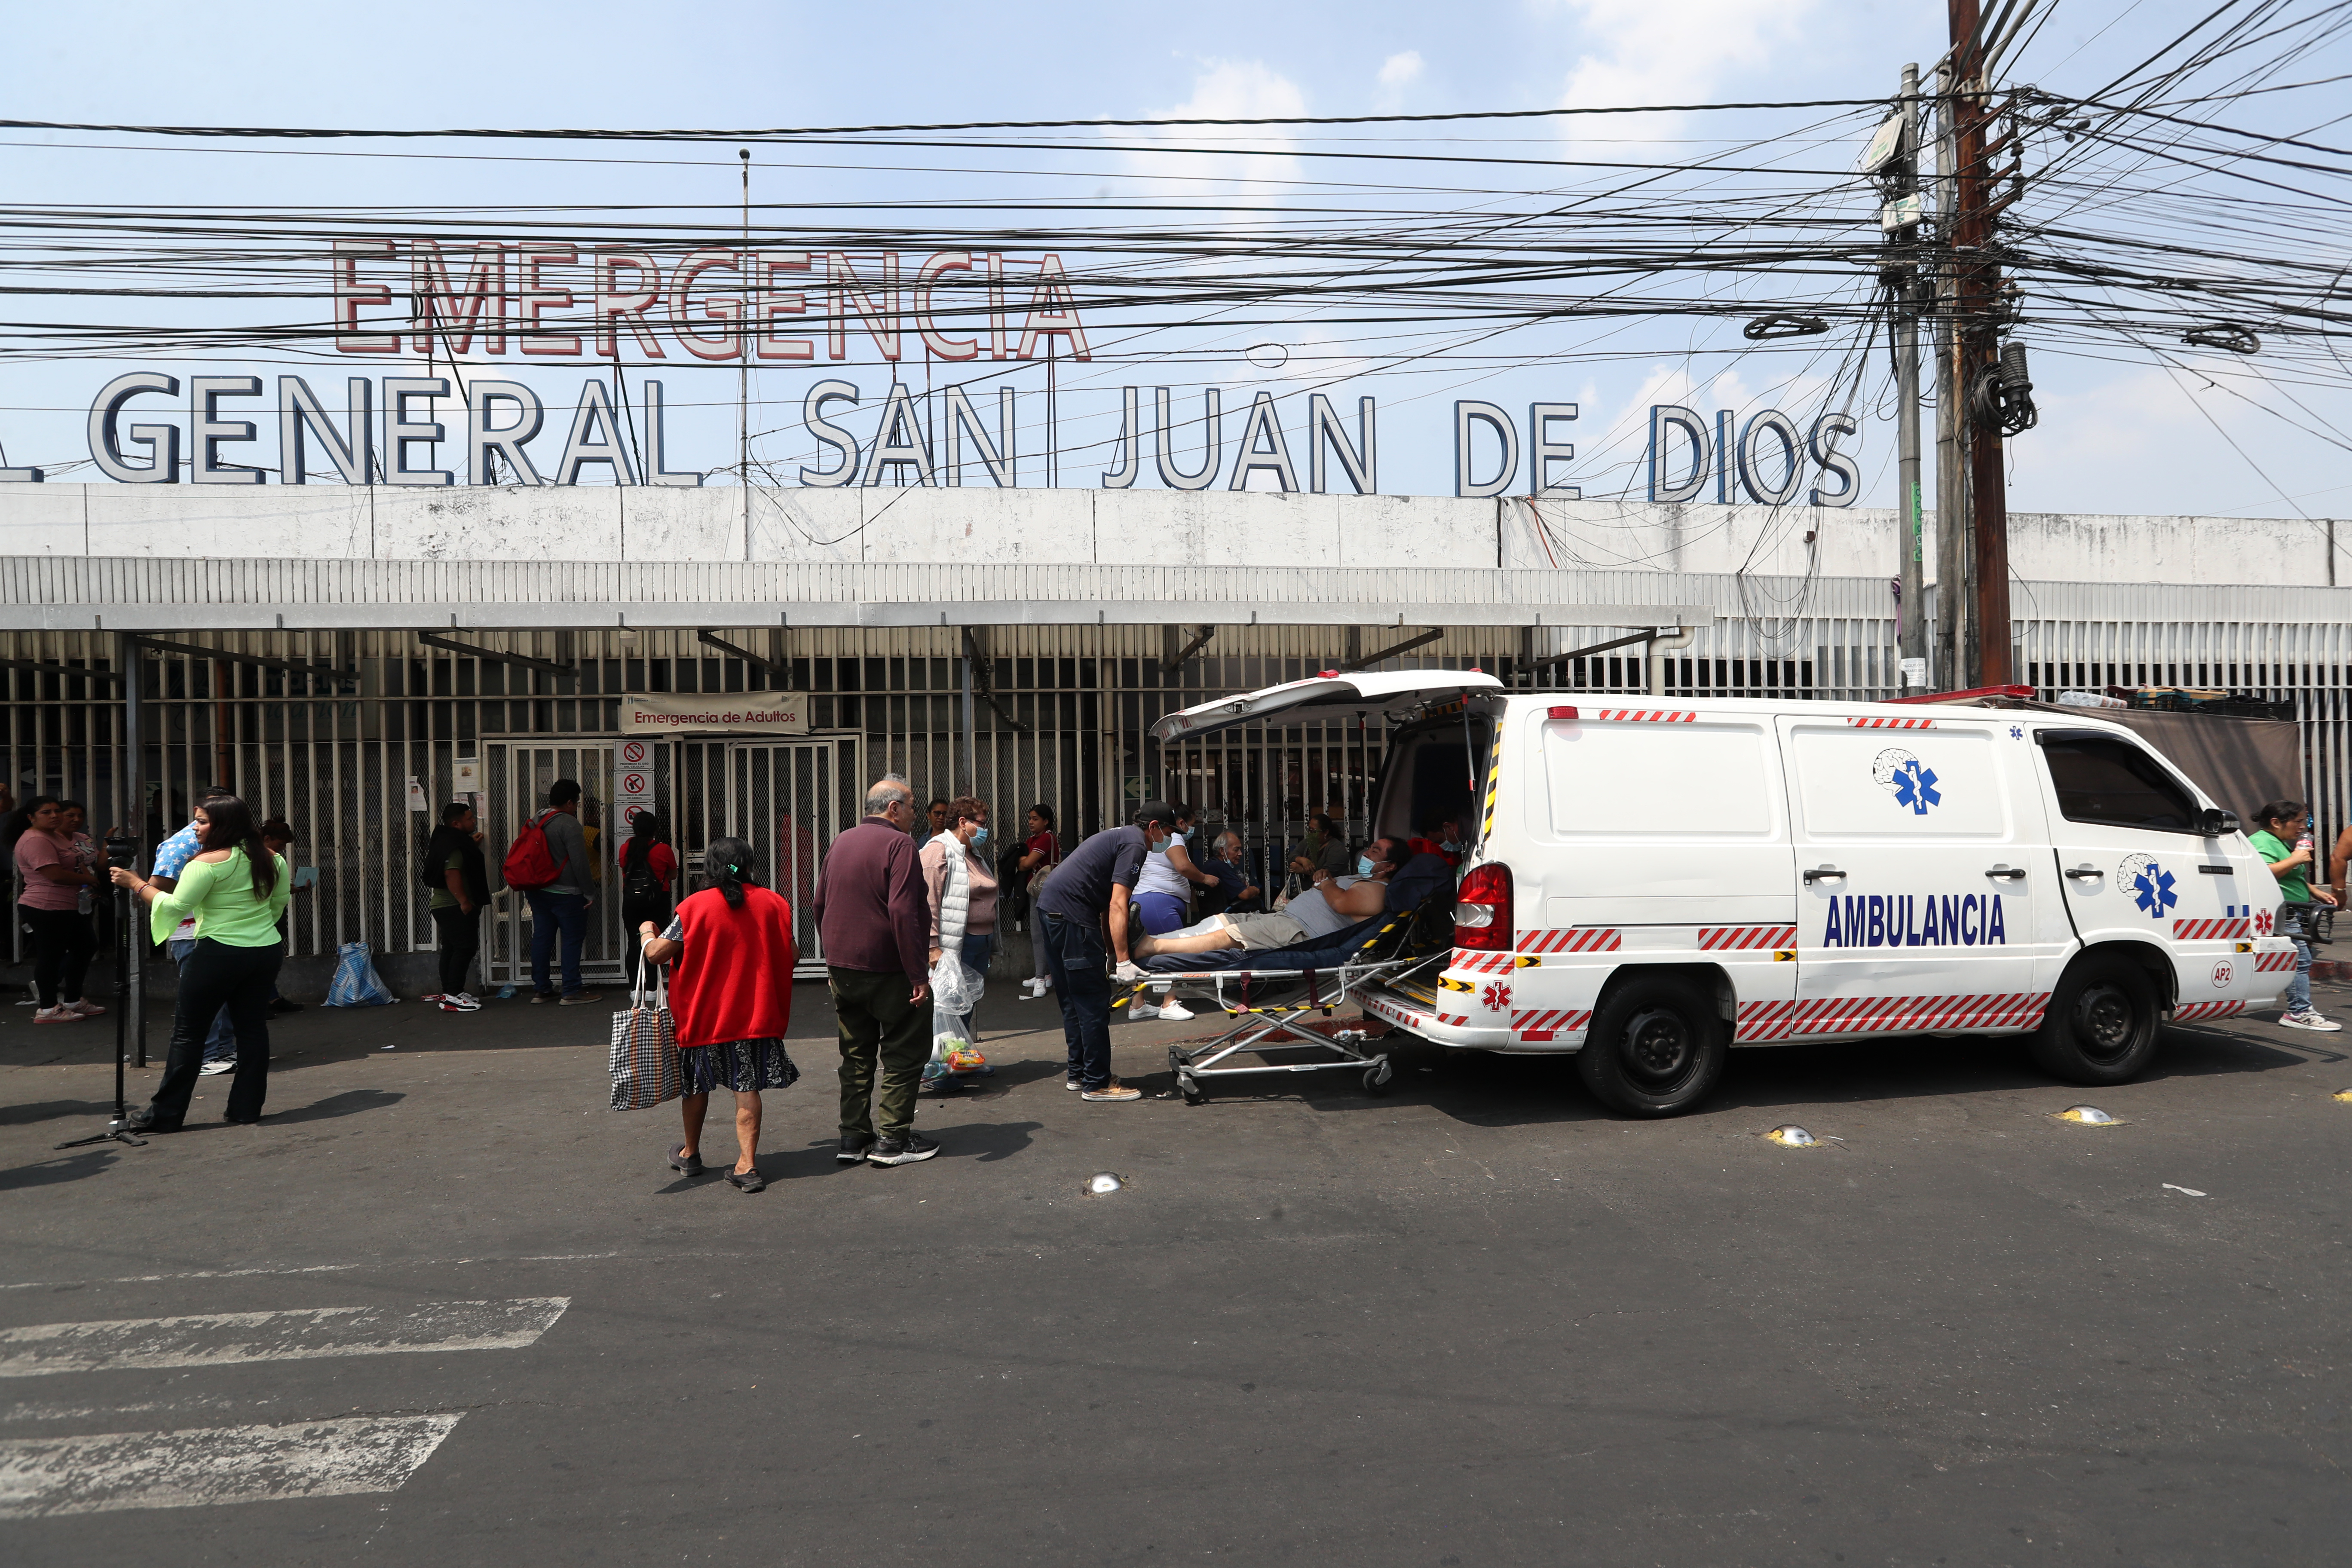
[(330, 728)]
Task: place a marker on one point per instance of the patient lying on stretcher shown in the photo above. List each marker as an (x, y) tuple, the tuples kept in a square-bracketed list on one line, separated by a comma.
[(1333, 904)]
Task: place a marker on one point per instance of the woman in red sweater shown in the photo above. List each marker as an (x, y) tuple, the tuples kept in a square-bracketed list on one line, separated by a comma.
[(732, 955)]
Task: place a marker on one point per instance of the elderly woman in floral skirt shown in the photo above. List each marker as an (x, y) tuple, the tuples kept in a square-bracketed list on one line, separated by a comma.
[(731, 955)]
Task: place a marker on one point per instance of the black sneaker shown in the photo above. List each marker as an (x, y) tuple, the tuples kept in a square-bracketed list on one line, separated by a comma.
[(854, 1146), (141, 1118), (686, 1164), (903, 1151), (747, 1181), (545, 996), (284, 1005)]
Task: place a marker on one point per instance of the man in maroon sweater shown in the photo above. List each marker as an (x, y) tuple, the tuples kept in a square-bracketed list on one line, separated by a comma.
[(873, 918)]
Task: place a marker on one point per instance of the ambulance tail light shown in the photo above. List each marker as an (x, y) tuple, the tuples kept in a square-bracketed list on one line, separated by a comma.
[(1482, 910)]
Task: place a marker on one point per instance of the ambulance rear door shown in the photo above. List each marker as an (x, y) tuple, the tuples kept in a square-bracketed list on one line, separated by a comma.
[(1922, 858), (2140, 866)]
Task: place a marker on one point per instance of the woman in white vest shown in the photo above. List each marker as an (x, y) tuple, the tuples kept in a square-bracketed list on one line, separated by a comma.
[(963, 897)]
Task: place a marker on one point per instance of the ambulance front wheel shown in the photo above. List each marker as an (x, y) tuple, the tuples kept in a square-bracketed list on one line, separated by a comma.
[(1656, 1048), (2101, 1026)]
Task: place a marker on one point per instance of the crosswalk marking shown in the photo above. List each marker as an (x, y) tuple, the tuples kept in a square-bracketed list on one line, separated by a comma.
[(224, 1339), (42, 1477)]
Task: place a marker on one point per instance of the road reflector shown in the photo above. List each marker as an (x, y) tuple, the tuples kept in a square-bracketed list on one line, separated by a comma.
[(2088, 1116), (1791, 1136)]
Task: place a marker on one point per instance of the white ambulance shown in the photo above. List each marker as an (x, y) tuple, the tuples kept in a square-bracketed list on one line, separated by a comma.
[(1648, 882)]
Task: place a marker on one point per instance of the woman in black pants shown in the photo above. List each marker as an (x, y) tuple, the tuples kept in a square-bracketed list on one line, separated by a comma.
[(236, 889), (51, 904)]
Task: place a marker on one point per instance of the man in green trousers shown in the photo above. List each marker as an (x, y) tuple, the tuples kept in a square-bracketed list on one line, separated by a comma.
[(874, 917)]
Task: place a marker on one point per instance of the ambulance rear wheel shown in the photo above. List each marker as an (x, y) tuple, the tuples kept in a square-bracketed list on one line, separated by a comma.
[(1656, 1048), (2102, 1023)]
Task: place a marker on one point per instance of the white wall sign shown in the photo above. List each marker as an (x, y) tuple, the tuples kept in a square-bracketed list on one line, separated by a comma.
[(724, 713)]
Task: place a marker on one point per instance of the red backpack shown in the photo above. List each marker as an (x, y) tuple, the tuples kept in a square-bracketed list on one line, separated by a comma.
[(529, 864)]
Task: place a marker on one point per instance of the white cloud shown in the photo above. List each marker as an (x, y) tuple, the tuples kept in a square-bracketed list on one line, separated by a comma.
[(1225, 89), (1401, 70), (1671, 51)]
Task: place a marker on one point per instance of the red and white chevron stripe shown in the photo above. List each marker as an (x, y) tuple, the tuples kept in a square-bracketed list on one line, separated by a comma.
[(2271, 963), (2189, 1012), (2204, 931), (1712, 939), (1450, 1018), (1891, 1014), (1646, 715), (1573, 939), (1470, 962), (1764, 1020), (1551, 1019), (1892, 723)]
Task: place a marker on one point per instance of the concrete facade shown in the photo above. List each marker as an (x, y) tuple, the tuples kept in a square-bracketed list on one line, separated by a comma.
[(1209, 530)]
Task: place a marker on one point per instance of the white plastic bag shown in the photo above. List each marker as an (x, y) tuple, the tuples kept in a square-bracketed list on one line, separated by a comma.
[(955, 987), (357, 985)]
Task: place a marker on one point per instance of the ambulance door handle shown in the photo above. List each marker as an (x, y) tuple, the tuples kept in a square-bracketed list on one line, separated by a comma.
[(2008, 873), (2086, 873), (1823, 874)]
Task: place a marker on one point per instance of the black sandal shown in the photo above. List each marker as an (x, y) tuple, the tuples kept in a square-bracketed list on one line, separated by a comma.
[(747, 1181), (679, 1160)]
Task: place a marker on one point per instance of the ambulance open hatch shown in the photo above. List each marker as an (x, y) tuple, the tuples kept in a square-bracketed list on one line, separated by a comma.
[(1328, 697)]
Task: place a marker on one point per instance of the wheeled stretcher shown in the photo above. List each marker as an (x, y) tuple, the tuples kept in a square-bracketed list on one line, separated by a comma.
[(1270, 995)]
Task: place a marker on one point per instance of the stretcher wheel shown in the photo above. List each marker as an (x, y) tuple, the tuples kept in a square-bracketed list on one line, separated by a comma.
[(1190, 1088), (1376, 1080)]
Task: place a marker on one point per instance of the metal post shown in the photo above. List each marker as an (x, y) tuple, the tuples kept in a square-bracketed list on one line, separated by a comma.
[(1912, 632), (743, 358), (970, 750), (134, 770)]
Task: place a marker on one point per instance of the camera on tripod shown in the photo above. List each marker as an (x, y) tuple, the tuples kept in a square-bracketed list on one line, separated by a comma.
[(121, 850)]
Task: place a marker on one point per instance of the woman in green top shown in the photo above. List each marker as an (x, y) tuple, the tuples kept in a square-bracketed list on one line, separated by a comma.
[(235, 890), (2284, 822)]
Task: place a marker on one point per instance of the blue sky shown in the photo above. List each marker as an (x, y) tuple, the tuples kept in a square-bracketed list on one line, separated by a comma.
[(2119, 434)]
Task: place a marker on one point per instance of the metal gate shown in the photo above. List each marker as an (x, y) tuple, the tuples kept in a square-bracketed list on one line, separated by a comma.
[(516, 776), (785, 798)]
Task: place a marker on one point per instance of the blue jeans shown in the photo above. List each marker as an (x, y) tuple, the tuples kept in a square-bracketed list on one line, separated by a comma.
[(2299, 990), (1074, 951), (220, 1046), (553, 914), (1161, 913)]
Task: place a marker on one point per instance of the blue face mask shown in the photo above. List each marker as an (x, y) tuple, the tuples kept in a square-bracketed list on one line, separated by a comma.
[(978, 837), (1363, 865)]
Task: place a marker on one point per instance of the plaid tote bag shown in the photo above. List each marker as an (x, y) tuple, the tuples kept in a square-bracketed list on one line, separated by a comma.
[(644, 1048)]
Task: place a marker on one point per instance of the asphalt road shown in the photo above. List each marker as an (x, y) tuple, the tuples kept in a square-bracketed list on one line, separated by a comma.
[(1475, 1322)]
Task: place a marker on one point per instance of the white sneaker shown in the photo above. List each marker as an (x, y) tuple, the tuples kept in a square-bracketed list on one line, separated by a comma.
[(1172, 1008), (86, 1007), (2310, 1020), (1141, 1012), (459, 1002), (468, 997), (60, 1014), (213, 1070)]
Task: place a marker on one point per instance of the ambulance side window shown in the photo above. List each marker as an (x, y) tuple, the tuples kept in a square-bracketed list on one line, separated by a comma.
[(1857, 784), (2116, 784)]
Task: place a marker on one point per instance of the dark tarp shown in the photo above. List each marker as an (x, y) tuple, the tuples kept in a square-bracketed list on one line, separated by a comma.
[(2241, 763)]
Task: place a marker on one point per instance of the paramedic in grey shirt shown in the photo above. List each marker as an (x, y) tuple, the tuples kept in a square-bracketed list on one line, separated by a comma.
[(560, 909)]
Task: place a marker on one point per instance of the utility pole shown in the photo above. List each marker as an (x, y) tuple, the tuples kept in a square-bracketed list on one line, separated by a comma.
[(1977, 278), (1903, 280), (1955, 550)]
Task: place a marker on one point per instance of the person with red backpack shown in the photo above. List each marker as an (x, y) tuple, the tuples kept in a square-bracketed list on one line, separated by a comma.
[(548, 864)]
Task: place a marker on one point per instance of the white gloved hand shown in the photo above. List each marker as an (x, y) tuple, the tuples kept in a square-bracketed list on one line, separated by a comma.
[(1128, 972)]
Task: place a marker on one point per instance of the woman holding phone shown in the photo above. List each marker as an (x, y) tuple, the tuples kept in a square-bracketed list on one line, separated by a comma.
[(235, 888)]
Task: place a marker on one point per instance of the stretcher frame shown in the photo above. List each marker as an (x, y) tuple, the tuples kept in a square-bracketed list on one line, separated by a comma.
[(1256, 1028)]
